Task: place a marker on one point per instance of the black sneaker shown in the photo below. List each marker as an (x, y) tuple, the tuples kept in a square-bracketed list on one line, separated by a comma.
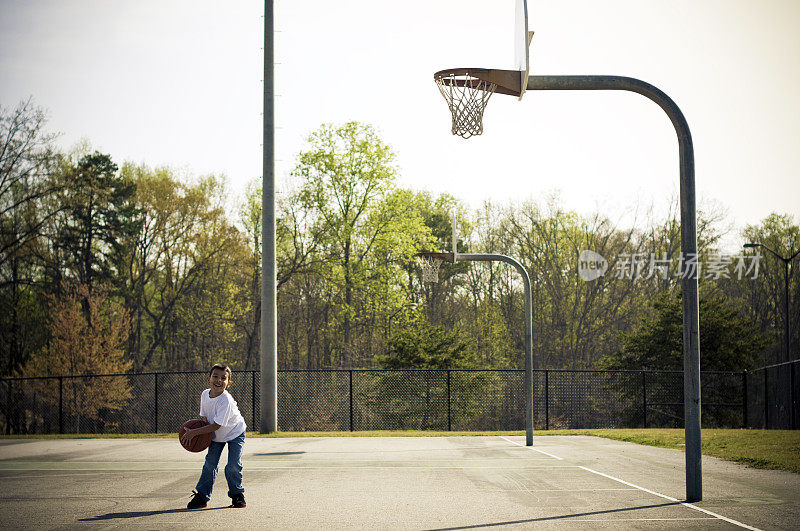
[(238, 501), (198, 502)]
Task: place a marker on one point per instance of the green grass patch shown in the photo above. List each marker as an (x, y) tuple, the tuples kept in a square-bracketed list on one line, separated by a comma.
[(769, 449)]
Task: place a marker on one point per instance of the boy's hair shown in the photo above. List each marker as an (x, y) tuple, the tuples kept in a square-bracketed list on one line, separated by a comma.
[(222, 367)]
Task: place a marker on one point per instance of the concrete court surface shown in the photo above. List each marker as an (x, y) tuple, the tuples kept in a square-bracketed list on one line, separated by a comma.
[(387, 483)]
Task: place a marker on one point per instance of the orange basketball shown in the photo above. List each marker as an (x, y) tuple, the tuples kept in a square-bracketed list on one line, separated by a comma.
[(198, 443)]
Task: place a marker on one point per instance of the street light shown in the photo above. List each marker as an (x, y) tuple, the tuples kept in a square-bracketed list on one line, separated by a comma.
[(786, 261)]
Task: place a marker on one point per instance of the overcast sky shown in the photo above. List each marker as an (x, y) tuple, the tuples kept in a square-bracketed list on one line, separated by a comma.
[(169, 82)]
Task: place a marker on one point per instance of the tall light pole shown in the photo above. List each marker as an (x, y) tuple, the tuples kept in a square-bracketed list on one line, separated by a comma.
[(785, 260), (269, 302)]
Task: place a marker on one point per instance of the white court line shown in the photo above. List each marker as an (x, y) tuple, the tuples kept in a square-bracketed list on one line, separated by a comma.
[(532, 448), (606, 520), (670, 498)]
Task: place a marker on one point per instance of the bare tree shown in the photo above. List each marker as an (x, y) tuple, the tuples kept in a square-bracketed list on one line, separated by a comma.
[(26, 157)]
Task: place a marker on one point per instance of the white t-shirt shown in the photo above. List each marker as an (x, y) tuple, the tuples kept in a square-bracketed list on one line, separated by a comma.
[(224, 411)]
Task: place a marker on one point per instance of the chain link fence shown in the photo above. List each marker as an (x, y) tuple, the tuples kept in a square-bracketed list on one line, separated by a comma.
[(372, 399), (772, 396)]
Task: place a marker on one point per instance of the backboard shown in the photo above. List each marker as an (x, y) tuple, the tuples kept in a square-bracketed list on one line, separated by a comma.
[(467, 90), (522, 42)]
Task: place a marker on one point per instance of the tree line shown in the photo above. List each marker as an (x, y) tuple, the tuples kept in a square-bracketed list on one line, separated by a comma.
[(109, 267)]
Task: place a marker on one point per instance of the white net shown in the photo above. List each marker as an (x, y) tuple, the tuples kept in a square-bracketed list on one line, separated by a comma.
[(430, 269), (467, 97)]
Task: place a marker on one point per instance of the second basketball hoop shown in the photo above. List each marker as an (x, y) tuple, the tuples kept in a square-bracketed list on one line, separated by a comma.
[(430, 269), (430, 263)]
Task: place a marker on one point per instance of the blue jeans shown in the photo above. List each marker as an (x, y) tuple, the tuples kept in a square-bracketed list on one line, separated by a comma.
[(233, 470)]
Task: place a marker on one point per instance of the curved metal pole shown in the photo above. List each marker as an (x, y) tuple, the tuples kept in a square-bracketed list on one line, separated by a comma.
[(466, 257), (691, 340)]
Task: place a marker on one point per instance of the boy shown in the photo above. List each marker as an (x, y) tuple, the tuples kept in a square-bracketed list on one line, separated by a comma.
[(219, 409)]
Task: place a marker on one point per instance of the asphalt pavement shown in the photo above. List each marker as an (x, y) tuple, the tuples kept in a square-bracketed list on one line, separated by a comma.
[(573, 482)]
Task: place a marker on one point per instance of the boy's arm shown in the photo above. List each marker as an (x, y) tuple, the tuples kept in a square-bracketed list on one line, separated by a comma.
[(191, 434)]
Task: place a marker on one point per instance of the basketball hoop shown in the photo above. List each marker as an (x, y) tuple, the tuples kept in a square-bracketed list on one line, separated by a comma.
[(430, 269), (431, 262), (467, 96)]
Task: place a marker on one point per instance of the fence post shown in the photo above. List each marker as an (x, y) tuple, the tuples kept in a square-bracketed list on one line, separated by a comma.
[(449, 421), (351, 399), (546, 399), (8, 407), (155, 409), (744, 399), (791, 395), (766, 400), (253, 397), (60, 404), (644, 397)]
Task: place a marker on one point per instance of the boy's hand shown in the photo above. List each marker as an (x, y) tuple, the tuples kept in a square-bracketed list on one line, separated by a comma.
[(187, 436), (203, 418)]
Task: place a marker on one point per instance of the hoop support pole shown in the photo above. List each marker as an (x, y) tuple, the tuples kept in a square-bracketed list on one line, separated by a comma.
[(691, 338), (467, 257)]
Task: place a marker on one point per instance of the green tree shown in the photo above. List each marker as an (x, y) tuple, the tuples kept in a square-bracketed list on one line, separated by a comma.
[(99, 219), (764, 295), (362, 221), (424, 346), (573, 320), (421, 400), (250, 216), (186, 280), (728, 340), (84, 343), (488, 330)]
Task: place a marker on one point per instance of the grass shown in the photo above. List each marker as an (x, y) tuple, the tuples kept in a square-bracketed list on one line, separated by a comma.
[(769, 449)]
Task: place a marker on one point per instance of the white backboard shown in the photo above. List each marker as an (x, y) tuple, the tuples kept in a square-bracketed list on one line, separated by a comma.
[(522, 41)]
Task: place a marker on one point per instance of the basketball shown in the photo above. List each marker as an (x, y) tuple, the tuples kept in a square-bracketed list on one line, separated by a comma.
[(199, 443)]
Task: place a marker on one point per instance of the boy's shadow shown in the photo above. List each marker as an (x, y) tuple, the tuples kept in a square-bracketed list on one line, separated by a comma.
[(137, 514)]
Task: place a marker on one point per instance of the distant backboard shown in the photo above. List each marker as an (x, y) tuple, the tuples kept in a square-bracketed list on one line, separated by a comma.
[(455, 237), (522, 42)]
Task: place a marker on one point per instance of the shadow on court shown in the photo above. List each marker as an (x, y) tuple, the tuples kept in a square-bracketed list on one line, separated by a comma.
[(561, 517), (139, 514)]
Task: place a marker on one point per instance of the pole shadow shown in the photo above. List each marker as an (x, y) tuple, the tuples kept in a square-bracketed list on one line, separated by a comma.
[(561, 517)]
